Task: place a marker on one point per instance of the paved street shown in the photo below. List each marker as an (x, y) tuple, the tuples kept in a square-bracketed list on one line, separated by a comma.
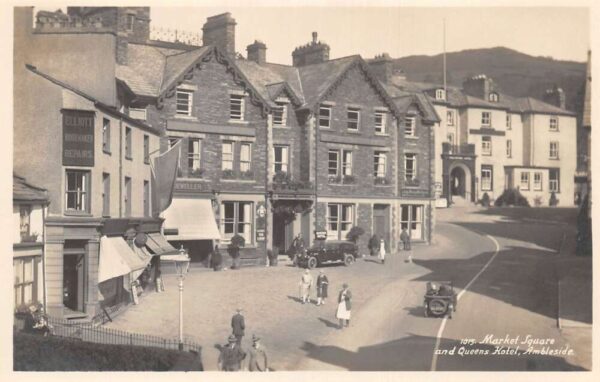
[(511, 290)]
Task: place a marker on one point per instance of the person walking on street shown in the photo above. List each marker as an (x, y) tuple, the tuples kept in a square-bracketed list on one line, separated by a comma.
[(405, 238), (344, 306), (238, 326), (258, 356), (305, 284), (297, 247), (382, 251), (322, 283), (231, 356)]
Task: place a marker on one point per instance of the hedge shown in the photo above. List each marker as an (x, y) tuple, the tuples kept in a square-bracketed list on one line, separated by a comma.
[(37, 353)]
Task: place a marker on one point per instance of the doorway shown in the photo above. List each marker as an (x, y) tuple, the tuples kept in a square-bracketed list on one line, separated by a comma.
[(381, 223), (73, 281), (283, 232), (457, 182)]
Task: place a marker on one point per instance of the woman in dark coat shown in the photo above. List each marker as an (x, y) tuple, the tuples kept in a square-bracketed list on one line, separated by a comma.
[(216, 259), (322, 283)]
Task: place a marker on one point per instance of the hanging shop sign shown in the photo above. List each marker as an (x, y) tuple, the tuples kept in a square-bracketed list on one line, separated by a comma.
[(78, 138)]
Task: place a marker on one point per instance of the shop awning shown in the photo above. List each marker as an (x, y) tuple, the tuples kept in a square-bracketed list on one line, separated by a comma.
[(118, 259), (193, 219), (158, 245)]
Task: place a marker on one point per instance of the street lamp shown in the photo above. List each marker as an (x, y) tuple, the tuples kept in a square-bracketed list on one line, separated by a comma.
[(182, 264)]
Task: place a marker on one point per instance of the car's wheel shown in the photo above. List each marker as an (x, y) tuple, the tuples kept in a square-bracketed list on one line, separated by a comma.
[(348, 259), (450, 310), (426, 312), (438, 307), (312, 263)]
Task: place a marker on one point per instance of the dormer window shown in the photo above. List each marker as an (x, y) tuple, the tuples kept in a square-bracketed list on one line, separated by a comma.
[(280, 114), (440, 94), (493, 97)]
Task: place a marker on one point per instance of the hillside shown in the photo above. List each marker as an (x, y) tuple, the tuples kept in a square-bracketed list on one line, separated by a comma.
[(516, 73)]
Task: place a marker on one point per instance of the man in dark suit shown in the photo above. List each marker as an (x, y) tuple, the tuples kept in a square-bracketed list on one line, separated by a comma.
[(238, 325)]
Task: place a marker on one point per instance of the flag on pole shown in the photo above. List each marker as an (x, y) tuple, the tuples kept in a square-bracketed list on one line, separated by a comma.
[(164, 174)]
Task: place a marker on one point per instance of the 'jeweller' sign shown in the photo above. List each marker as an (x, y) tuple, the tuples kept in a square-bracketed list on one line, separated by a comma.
[(78, 138)]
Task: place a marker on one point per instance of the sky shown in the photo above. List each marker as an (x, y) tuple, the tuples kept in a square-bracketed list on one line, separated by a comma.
[(562, 33)]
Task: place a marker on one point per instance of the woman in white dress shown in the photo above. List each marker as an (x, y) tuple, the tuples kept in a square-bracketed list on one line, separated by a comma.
[(382, 251), (344, 306)]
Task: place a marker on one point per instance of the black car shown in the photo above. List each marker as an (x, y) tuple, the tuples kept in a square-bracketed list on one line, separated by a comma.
[(329, 252)]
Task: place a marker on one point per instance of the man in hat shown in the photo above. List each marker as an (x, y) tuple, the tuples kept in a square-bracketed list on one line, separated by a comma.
[(258, 356), (238, 325), (231, 356)]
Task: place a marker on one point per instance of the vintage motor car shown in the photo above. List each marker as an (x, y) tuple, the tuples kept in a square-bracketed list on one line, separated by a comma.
[(329, 252), (440, 299)]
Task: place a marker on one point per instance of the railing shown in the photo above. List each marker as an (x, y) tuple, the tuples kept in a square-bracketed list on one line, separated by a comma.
[(174, 35), (89, 332), (467, 148)]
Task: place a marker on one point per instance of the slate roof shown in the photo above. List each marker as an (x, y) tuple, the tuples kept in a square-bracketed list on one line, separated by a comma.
[(25, 192), (179, 63), (399, 86), (263, 78), (317, 79)]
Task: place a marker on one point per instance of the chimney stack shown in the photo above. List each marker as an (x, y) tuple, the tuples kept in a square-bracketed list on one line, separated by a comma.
[(219, 30), (556, 97), (479, 86), (257, 52), (315, 52), (382, 66)]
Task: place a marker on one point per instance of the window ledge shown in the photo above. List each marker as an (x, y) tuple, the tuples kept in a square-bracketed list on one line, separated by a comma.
[(193, 179), (554, 158), (281, 127), (186, 117), (351, 131), (384, 185), (413, 137), (76, 213), (128, 158), (237, 180), (107, 152), (382, 134), (325, 128), (238, 121)]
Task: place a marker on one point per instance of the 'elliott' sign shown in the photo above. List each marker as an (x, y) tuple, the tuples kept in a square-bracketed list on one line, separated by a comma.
[(78, 138)]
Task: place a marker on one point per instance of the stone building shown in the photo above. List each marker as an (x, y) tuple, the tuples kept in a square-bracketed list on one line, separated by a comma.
[(268, 150), (93, 160)]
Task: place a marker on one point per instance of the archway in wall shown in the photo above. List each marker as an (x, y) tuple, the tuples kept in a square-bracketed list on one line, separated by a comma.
[(461, 181)]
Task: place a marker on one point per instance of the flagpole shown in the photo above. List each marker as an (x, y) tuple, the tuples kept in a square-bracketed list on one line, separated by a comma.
[(444, 34)]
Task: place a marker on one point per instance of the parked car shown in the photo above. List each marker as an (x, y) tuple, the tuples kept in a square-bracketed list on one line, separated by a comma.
[(329, 252)]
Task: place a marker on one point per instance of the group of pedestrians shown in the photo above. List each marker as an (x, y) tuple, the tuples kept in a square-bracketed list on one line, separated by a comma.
[(232, 355), (344, 307), (377, 245)]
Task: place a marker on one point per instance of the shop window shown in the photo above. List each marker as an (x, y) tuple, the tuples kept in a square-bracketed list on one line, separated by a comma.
[(77, 191), (411, 219), (340, 219), (25, 285), (281, 159), (236, 218), (487, 176), (554, 180), (537, 181), (524, 181)]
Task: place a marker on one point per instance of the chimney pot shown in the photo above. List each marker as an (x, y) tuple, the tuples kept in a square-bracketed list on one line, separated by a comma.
[(314, 37)]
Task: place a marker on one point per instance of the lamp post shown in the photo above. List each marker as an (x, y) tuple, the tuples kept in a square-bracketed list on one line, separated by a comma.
[(182, 264)]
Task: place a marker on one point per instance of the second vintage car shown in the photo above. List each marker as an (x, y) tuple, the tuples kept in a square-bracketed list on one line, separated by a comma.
[(333, 251)]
